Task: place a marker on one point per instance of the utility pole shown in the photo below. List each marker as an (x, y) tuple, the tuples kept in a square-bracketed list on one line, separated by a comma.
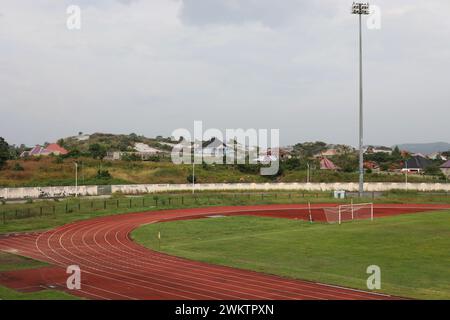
[(193, 176), (307, 173), (406, 174), (361, 9), (76, 179)]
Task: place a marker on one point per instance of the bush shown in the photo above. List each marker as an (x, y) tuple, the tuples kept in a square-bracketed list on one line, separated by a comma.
[(59, 160), (18, 167), (191, 179), (130, 157), (103, 174), (433, 170)]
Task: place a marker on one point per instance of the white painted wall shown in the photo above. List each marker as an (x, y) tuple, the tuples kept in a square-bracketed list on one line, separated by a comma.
[(382, 186), (46, 192), (49, 192)]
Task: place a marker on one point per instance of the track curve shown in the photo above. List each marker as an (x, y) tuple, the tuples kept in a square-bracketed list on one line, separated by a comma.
[(114, 267)]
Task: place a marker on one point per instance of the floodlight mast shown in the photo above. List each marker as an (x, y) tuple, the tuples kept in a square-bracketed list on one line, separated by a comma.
[(361, 9)]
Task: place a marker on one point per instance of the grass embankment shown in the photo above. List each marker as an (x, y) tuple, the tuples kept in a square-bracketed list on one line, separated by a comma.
[(9, 262), (411, 250), (50, 171)]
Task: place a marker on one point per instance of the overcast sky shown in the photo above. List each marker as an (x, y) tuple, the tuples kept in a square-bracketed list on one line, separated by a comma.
[(151, 66)]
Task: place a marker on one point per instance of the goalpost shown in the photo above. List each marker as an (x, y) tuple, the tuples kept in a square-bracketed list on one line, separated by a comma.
[(349, 212)]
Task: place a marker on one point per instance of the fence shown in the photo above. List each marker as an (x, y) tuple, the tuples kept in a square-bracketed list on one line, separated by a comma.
[(88, 206)]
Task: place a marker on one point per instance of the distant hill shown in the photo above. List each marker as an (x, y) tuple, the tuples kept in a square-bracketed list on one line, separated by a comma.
[(113, 142), (425, 148)]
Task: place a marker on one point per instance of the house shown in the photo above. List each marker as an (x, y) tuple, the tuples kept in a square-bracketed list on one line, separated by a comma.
[(416, 164), (327, 164), (283, 153), (145, 149), (56, 149), (445, 168), (326, 153), (437, 156), (266, 159), (113, 155), (82, 137), (372, 165), (214, 147), (52, 148), (378, 149)]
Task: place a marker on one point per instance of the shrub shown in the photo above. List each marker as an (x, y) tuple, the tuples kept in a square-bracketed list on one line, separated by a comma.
[(191, 179), (103, 174), (18, 167), (59, 159)]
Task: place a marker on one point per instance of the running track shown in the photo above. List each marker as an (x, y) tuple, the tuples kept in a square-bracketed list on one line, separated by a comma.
[(114, 267)]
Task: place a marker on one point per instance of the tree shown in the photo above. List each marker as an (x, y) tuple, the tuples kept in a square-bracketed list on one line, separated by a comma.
[(97, 151), (4, 152), (396, 154), (433, 170), (61, 142)]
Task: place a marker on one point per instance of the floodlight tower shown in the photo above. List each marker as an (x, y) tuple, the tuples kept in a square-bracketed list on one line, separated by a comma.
[(360, 9)]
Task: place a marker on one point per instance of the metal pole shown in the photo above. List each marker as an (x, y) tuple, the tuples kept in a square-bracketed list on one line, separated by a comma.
[(193, 175), (406, 174), (361, 143), (339, 213), (307, 173), (310, 214), (76, 179), (353, 212)]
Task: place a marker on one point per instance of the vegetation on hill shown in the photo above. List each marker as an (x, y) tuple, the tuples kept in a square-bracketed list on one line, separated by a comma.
[(4, 152), (89, 153), (100, 143), (54, 171)]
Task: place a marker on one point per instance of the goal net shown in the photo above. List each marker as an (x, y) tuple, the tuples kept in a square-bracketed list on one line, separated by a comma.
[(349, 212)]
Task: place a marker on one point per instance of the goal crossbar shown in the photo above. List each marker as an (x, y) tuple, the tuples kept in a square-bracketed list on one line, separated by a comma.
[(349, 212)]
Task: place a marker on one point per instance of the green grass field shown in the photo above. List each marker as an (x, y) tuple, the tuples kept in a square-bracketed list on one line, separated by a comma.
[(411, 250)]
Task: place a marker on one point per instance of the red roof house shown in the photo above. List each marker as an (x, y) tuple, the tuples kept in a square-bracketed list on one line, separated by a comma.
[(55, 149), (38, 150), (326, 164), (445, 168)]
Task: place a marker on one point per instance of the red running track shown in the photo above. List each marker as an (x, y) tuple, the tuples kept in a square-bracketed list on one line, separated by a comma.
[(114, 267)]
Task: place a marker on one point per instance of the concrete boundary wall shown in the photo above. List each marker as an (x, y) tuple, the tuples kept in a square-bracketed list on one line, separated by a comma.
[(57, 192), (382, 186), (46, 192)]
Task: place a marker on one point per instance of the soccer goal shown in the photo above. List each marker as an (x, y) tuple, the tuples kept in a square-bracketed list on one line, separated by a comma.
[(349, 212)]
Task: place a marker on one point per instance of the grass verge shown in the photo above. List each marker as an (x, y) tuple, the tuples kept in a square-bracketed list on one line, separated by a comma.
[(9, 294), (9, 262)]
